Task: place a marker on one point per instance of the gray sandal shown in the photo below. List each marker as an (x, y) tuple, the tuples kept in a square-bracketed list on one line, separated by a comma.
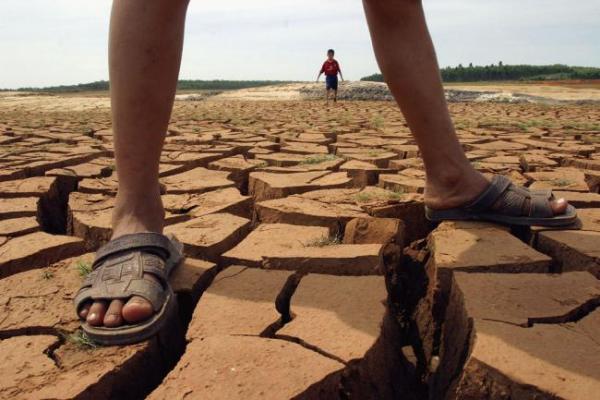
[(118, 274), (507, 203)]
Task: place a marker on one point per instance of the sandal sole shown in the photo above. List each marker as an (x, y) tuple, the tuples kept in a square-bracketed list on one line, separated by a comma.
[(458, 214)]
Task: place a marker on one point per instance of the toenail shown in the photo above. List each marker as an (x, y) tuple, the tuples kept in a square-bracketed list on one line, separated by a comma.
[(111, 318), (93, 316)]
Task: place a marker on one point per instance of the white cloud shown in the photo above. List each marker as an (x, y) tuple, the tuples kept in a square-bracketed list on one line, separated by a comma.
[(64, 41)]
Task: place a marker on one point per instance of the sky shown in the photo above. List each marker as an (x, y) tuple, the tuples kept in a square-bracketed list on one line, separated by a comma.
[(45, 43)]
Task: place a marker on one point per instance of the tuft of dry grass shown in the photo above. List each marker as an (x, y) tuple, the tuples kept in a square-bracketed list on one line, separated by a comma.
[(324, 241)]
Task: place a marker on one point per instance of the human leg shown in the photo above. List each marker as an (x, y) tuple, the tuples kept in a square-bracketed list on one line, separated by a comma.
[(407, 59), (146, 39)]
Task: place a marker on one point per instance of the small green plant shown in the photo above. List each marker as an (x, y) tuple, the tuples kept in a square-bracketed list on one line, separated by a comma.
[(318, 159), (561, 182), (362, 197), (47, 274), (83, 267), (324, 241), (396, 194), (80, 339), (377, 122), (462, 124)]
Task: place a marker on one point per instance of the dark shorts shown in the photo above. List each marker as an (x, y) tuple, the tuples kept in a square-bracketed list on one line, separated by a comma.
[(331, 82)]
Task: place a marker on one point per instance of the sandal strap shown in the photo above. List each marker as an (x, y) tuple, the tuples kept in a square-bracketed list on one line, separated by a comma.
[(488, 198), (539, 206), (544, 193), (153, 241), (513, 200)]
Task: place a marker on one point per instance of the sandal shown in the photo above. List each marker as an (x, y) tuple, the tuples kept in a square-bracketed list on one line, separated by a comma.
[(507, 203), (117, 273)]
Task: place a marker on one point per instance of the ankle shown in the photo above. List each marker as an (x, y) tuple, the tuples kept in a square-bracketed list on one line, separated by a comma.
[(451, 188), (451, 176), (133, 214)]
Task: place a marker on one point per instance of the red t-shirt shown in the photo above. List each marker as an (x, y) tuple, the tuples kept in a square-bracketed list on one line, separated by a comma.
[(331, 68)]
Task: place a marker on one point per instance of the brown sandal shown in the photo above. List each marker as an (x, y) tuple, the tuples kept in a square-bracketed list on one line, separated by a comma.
[(118, 274)]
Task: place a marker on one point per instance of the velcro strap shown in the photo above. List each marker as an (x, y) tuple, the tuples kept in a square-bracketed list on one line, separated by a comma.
[(152, 242), (486, 200)]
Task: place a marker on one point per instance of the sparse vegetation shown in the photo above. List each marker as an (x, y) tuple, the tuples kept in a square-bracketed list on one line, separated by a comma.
[(320, 158), (47, 274), (515, 125), (324, 241), (363, 197), (584, 126), (396, 194), (80, 339), (561, 182), (462, 124), (378, 122), (83, 267)]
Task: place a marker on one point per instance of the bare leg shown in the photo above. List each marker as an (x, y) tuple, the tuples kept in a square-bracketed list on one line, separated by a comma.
[(146, 40), (408, 62)]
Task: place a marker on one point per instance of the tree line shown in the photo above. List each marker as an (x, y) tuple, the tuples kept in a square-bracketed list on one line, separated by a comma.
[(502, 72), (181, 85)]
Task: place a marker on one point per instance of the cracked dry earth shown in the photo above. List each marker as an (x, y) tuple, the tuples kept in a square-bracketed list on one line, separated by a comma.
[(311, 272)]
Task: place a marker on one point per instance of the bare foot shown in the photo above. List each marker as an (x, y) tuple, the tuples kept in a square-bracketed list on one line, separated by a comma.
[(130, 216), (458, 189)]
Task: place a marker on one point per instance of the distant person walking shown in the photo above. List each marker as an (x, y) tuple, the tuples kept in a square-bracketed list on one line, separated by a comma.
[(331, 69), (127, 298)]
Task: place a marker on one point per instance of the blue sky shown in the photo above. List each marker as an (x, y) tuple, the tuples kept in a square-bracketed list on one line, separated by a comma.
[(64, 41)]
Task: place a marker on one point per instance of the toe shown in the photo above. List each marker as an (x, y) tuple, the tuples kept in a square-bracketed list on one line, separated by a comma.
[(113, 316), (84, 310), (96, 313), (137, 309), (559, 206)]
